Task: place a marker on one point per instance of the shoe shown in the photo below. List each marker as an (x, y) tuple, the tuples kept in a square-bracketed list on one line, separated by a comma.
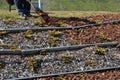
[(29, 15), (23, 17)]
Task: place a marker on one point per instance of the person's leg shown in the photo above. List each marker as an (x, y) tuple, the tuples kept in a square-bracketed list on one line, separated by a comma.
[(19, 7), (16, 4), (27, 8)]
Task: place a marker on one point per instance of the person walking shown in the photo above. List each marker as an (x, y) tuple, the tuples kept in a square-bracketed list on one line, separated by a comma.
[(23, 7)]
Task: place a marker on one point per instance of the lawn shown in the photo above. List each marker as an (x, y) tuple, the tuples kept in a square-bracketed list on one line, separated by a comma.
[(82, 5), (13, 14), (75, 5)]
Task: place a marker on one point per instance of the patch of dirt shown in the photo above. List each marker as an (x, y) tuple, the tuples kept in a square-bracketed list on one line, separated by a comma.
[(106, 75)]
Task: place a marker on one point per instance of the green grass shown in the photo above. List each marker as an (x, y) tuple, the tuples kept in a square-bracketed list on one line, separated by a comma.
[(82, 5), (75, 5), (3, 5)]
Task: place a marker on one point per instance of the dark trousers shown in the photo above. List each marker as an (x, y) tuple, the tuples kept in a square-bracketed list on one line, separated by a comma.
[(23, 7)]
